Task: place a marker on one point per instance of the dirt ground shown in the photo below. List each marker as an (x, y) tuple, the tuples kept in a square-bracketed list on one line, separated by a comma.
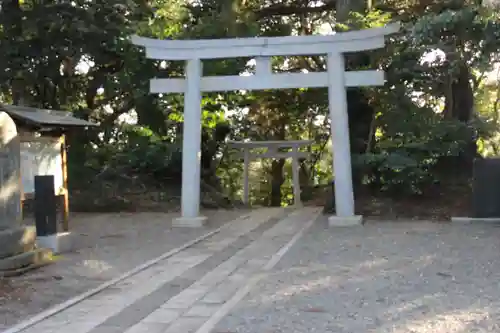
[(384, 277), (106, 246), (438, 203)]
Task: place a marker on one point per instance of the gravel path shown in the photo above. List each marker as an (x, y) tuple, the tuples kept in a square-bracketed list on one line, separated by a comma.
[(107, 245), (383, 277)]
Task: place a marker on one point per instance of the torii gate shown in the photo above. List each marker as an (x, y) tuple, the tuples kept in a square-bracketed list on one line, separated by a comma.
[(272, 148), (263, 48)]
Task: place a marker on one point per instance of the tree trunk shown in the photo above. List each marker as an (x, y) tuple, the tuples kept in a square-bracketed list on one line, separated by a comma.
[(360, 120), (12, 16), (459, 105), (277, 181), (19, 91), (360, 112), (344, 7), (459, 102)]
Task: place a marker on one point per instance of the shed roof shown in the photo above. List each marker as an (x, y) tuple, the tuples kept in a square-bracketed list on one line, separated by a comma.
[(44, 117)]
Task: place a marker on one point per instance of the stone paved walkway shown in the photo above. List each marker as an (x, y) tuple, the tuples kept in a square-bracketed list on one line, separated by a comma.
[(192, 290)]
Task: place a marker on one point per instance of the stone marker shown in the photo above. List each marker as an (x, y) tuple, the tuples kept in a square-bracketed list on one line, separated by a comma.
[(17, 242)]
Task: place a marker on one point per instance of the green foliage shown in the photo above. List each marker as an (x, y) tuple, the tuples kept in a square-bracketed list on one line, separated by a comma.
[(397, 150), (137, 154), (406, 165), (487, 121), (410, 142)]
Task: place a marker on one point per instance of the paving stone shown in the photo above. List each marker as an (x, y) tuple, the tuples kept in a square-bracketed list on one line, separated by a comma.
[(146, 305), (190, 257), (162, 316), (185, 299), (220, 273), (237, 277), (108, 329), (101, 310), (246, 271), (186, 325), (202, 310), (222, 293), (83, 326), (147, 328), (258, 263)]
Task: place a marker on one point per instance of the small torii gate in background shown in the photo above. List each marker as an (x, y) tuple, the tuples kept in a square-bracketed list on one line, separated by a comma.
[(273, 148), (263, 48)]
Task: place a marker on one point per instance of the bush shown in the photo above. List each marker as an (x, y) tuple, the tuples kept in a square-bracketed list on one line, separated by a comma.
[(407, 152)]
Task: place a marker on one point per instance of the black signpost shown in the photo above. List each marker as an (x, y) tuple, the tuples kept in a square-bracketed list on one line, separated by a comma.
[(45, 206), (486, 188)]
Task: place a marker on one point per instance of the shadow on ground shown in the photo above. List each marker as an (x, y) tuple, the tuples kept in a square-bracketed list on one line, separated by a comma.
[(383, 277), (106, 246)]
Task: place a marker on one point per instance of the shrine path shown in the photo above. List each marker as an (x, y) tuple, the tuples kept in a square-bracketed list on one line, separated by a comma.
[(285, 271)]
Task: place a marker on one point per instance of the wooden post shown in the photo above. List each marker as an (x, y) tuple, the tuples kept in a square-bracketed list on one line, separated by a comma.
[(296, 177), (65, 193), (246, 165)]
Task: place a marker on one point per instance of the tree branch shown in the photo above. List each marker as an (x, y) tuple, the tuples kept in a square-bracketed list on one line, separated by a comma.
[(285, 10)]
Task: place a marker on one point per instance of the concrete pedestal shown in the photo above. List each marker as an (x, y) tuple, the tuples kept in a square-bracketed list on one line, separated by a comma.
[(17, 240), (190, 222), (18, 251), (58, 243), (345, 221), (21, 263)]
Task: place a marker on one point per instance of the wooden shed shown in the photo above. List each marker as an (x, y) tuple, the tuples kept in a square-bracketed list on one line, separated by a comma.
[(43, 149)]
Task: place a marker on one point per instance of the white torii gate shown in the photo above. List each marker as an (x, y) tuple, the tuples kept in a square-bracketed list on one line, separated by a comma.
[(263, 48)]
